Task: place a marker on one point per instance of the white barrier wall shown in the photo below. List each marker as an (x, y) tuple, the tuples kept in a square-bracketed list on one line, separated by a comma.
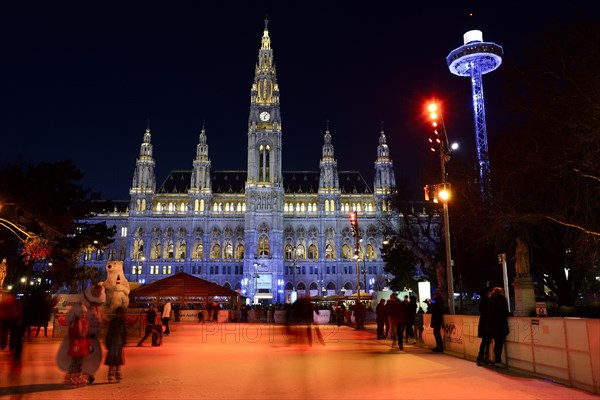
[(566, 350)]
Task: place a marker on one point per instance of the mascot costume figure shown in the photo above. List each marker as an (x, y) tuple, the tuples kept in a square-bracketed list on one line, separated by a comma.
[(116, 286)]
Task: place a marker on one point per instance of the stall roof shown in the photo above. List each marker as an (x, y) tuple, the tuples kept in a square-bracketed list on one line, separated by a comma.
[(182, 284)]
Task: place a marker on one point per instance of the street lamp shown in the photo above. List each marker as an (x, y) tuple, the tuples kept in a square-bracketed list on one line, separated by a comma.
[(255, 276), (356, 233), (364, 271), (438, 136), (294, 266)]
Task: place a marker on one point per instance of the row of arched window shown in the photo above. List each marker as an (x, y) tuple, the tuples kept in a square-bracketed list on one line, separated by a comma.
[(228, 250), (181, 207)]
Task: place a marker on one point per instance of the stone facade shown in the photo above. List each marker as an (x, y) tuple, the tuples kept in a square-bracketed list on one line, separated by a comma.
[(263, 230)]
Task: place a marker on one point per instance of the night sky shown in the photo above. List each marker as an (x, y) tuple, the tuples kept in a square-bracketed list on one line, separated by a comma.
[(80, 81)]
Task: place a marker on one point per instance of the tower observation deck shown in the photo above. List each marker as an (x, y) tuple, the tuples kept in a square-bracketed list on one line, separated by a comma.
[(474, 59)]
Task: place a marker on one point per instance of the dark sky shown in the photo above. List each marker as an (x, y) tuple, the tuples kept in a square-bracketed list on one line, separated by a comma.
[(81, 80)]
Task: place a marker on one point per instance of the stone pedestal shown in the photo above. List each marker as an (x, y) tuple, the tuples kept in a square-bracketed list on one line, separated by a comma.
[(524, 296)]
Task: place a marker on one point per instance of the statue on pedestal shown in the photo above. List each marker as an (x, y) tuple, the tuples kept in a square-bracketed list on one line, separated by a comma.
[(522, 258), (439, 271)]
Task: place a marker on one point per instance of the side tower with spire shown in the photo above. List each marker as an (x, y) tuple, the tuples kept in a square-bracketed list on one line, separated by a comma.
[(200, 191), (329, 182), (385, 181), (143, 187)]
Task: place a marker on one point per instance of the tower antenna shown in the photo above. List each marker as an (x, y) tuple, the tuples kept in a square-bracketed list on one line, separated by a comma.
[(474, 59)]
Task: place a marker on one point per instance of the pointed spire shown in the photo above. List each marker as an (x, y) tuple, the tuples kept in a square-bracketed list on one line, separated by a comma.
[(328, 178), (200, 180), (144, 180), (385, 180)]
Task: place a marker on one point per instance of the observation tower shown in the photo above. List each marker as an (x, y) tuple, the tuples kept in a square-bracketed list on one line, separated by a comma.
[(474, 59)]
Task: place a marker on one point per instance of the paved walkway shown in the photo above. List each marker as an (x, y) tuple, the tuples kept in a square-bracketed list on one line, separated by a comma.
[(261, 361)]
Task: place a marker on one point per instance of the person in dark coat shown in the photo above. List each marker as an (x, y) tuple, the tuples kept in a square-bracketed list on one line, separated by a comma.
[(437, 319), (150, 315), (497, 322), (410, 325), (402, 321), (392, 307), (360, 312), (484, 347), (116, 339), (340, 313), (382, 320)]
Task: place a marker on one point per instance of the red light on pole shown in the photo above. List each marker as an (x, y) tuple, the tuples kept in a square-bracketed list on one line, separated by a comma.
[(354, 222)]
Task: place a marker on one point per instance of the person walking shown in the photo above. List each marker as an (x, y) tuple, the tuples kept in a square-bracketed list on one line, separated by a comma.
[(150, 315), (497, 322), (116, 338), (166, 315), (340, 313), (437, 319), (402, 321), (244, 310), (360, 312), (381, 318), (410, 323), (215, 311), (419, 324), (79, 343), (484, 347), (93, 298), (392, 307), (305, 310)]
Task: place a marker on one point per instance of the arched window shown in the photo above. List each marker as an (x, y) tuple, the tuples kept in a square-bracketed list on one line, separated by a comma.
[(263, 245), (346, 252), (329, 253), (169, 250), (289, 252), (155, 250), (313, 253), (239, 251), (228, 251), (300, 252), (263, 163), (215, 252), (371, 252), (199, 251), (181, 249)]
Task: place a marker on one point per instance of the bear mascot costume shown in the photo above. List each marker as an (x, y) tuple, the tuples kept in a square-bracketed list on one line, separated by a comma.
[(116, 286)]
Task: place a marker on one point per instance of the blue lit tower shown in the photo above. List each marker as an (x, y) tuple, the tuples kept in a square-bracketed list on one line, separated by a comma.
[(474, 59)]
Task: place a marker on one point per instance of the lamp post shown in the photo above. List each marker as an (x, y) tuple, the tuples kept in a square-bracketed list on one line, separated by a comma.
[(354, 224), (439, 136), (255, 276), (294, 266), (364, 271)]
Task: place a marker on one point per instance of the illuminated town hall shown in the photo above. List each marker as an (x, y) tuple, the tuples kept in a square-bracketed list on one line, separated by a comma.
[(263, 231)]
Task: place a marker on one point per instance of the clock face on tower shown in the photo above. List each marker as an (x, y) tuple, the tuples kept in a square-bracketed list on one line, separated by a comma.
[(264, 116)]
